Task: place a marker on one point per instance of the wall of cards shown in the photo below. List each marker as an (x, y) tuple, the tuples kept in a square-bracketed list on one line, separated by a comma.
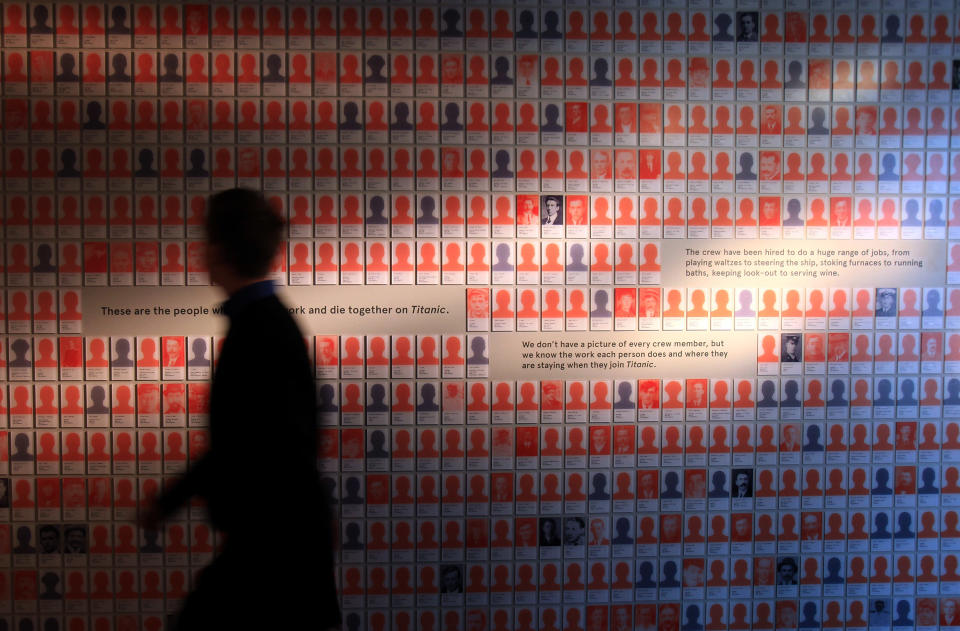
[(543, 168)]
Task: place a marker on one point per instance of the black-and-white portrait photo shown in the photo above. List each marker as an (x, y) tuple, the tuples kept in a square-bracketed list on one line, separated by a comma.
[(551, 210)]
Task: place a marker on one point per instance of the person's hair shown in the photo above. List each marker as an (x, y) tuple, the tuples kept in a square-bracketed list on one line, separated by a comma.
[(247, 228), (48, 528), (787, 562), (451, 570)]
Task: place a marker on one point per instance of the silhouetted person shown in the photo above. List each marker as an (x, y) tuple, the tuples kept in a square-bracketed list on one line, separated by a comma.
[(94, 116), (795, 72), (41, 15), (263, 379), (145, 157), (376, 64), (401, 112), (746, 167), (551, 115), (68, 158), (198, 160), (118, 17), (171, 67), (122, 349), (119, 63), (273, 75), (68, 64)]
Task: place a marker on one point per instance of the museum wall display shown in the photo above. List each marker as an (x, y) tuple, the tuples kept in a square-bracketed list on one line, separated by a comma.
[(630, 314)]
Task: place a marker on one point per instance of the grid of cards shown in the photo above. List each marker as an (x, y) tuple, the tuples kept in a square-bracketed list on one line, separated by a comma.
[(549, 158), (574, 308)]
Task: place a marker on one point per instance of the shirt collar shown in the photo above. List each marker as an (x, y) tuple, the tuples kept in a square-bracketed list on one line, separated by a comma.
[(246, 295)]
